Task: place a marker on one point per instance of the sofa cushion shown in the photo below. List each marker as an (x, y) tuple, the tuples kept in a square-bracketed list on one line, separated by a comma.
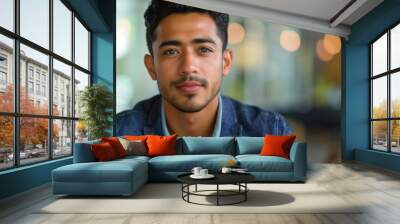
[(120, 170), (185, 163), (249, 145), (257, 163), (132, 158), (83, 152), (207, 145)]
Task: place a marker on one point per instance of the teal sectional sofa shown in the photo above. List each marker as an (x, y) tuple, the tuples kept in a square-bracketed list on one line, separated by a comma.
[(125, 176)]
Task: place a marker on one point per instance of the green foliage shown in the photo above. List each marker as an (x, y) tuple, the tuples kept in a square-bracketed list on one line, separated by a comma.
[(96, 102)]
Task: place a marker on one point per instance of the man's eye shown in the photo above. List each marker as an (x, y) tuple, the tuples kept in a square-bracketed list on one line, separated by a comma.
[(170, 52), (205, 50)]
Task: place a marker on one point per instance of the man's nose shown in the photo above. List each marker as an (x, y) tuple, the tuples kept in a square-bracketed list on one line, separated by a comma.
[(188, 63)]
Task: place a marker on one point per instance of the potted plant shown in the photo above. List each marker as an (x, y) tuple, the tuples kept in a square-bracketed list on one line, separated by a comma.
[(96, 103)]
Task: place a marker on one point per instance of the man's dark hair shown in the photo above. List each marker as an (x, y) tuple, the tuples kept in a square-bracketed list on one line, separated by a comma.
[(159, 9)]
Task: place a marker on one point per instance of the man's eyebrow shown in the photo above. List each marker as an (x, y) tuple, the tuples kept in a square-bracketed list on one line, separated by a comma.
[(170, 42), (203, 40), (195, 41)]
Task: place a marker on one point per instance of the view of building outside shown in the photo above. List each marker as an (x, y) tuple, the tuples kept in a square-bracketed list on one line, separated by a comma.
[(34, 99), (279, 68), (35, 120)]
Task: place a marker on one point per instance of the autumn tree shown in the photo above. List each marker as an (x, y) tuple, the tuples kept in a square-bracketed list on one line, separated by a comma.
[(380, 127), (33, 131)]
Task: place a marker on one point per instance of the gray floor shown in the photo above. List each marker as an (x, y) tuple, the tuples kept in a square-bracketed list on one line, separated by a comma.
[(351, 181)]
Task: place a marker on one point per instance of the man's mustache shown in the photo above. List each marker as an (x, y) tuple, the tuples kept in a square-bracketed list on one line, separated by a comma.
[(186, 78)]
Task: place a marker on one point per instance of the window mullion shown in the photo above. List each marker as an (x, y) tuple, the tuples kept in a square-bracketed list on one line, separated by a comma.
[(50, 87), (73, 83), (389, 76), (371, 137), (16, 83)]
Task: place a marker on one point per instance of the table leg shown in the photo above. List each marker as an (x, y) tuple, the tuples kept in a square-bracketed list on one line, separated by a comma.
[(245, 193), (188, 189), (196, 188), (217, 194)]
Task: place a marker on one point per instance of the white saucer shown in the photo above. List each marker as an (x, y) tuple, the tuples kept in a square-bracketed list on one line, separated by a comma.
[(208, 176)]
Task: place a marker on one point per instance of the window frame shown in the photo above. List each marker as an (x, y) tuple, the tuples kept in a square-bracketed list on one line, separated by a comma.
[(388, 74), (16, 115)]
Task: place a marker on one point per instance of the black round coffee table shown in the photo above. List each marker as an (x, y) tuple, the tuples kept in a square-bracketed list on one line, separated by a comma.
[(238, 179)]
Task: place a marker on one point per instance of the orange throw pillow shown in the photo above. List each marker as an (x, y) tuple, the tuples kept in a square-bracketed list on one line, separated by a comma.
[(135, 137), (161, 145), (277, 145), (116, 145), (103, 151)]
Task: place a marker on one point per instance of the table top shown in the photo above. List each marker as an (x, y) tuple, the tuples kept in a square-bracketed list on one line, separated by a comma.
[(220, 178)]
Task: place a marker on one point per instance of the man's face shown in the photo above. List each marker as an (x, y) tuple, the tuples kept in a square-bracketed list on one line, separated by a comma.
[(188, 62)]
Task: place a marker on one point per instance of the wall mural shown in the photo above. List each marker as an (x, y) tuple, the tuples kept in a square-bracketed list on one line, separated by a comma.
[(291, 71)]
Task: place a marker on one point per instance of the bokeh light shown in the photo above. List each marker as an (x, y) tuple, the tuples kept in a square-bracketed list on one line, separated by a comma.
[(124, 29), (255, 47), (332, 44), (290, 40), (322, 53), (236, 33)]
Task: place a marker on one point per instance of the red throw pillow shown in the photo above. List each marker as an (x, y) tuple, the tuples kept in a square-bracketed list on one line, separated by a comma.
[(161, 145), (103, 151), (277, 145), (116, 145)]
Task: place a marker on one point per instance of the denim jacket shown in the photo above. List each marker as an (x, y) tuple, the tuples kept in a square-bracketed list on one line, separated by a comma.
[(238, 119)]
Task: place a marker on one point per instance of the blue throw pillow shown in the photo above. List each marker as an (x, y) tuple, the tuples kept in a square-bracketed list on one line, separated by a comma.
[(208, 145), (249, 145)]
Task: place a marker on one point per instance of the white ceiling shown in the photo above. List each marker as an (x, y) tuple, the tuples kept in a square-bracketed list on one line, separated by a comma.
[(321, 9), (325, 16)]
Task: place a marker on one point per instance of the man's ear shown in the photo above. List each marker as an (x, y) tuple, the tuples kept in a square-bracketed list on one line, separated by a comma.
[(149, 63), (227, 61)]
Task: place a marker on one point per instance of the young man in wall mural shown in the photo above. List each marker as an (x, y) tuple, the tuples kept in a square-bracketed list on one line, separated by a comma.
[(188, 57)]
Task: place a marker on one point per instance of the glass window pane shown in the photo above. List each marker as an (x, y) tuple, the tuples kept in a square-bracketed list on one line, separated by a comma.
[(33, 140), (395, 136), (81, 131), (81, 81), (62, 89), (35, 21), (62, 29), (395, 47), (395, 94), (7, 14), (81, 45), (379, 56), (379, 135), (379, 97), (6, 142), (34, 97), (62, 138), (6, 74)]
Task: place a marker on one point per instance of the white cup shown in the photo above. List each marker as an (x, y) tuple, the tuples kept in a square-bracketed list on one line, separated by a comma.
[(226, 170), (203, 172), (196, 170)]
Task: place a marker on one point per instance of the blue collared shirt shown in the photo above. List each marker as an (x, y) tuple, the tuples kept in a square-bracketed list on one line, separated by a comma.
[(217, 125), (236, 119)]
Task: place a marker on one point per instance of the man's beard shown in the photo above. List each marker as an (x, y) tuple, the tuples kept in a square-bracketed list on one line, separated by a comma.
[(189, 106)]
